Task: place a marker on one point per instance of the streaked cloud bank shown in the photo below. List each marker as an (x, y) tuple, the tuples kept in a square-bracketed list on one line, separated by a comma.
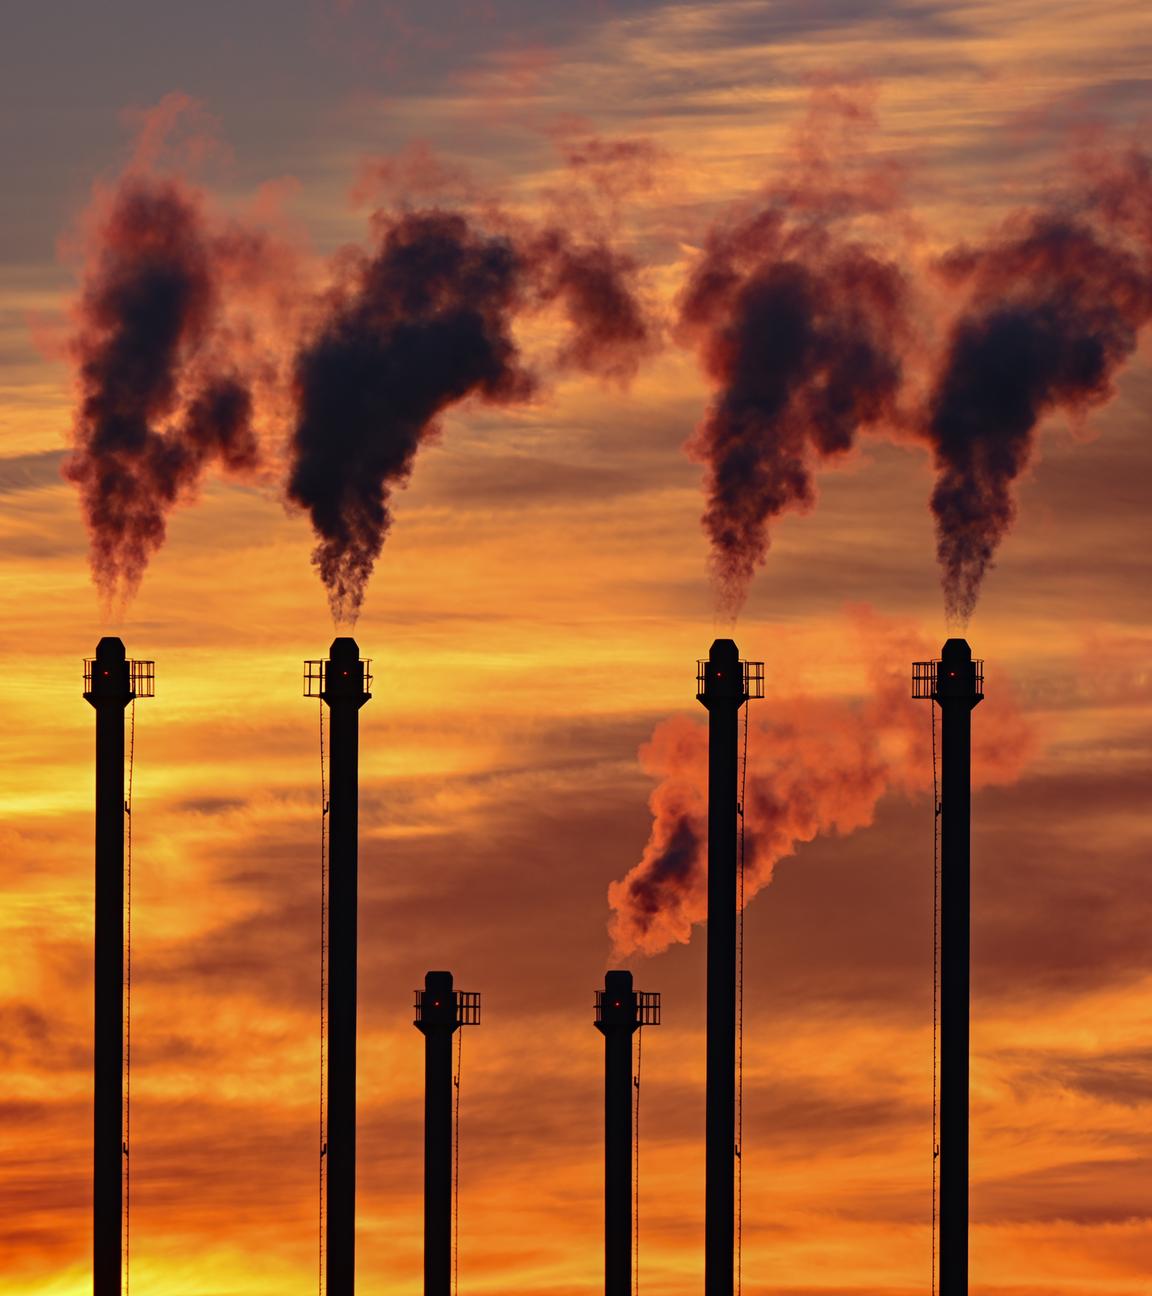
[(535, 617)]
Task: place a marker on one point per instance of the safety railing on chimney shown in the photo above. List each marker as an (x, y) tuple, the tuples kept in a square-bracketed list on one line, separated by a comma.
[(315, 676), (753, 678), (141, 674), (467, 1006), (647, 1007), (143, 677), (925, 675)]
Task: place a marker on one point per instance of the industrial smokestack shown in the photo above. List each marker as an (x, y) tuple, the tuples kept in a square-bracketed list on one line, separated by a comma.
[(956, 684), (110, 683), (620, 1012), (723, 687), (343, 682), (440, 1012)]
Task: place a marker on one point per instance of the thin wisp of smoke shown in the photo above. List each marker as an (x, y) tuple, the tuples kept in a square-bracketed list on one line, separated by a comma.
[(608, 330), (158, 398), (815, 766), (1053, 309), (422, 323)]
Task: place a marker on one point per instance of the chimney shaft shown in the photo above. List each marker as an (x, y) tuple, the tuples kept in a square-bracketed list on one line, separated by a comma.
[(438, 1019), (957, 692), (109, 692), (344, 692), (618, 1020), (722, 691)]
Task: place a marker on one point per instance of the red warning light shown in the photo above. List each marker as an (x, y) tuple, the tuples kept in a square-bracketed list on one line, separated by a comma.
[(435, 1003), (616, 1004)]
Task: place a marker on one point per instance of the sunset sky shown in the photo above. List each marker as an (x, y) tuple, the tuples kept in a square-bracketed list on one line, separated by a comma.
[(533, 622)]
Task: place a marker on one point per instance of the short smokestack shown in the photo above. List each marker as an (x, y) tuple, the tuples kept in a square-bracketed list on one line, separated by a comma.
[(723, 687), (620, 1012), (440, 1012), (111, 682), (956, 684), (343, 681)]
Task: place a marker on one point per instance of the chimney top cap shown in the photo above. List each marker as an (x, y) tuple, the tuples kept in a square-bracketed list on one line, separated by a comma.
[(438, 981), (724, 650), (110, 648), (618, 982), (956, 650), (344, 648)]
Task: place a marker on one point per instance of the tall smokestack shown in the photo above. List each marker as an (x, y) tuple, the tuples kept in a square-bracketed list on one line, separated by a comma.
[(620, 1012), (722, 688), (110, 683), (343, 682), (440, 1012), (956, 684)]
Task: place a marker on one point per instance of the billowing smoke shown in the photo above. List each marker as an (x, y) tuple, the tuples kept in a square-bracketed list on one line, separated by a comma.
[(1053, 310), (802, 332), (420, 324), (815, 766), (157, 399)]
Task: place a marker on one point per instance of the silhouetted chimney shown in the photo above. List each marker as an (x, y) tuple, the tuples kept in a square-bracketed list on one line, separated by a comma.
[(111, 681), (620, 1012), (956, 683), (440, 1012), (343, 681), (724, 684)]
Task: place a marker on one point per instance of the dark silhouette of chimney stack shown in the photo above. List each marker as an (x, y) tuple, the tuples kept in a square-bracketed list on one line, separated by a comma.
[(620, 1012), (955, 683), (440, 1012), (111, 682), (343, 682), (724, 684)]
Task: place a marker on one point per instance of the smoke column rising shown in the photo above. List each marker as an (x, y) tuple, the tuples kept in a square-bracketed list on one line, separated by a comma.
[(802, 334), (1053, 311), (157, 401), (417, 326), (420, 324)]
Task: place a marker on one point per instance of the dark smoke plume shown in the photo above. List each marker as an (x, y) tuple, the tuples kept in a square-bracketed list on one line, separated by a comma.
[(1053, 311), (802, 333), (419, 325), (155, 404)]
